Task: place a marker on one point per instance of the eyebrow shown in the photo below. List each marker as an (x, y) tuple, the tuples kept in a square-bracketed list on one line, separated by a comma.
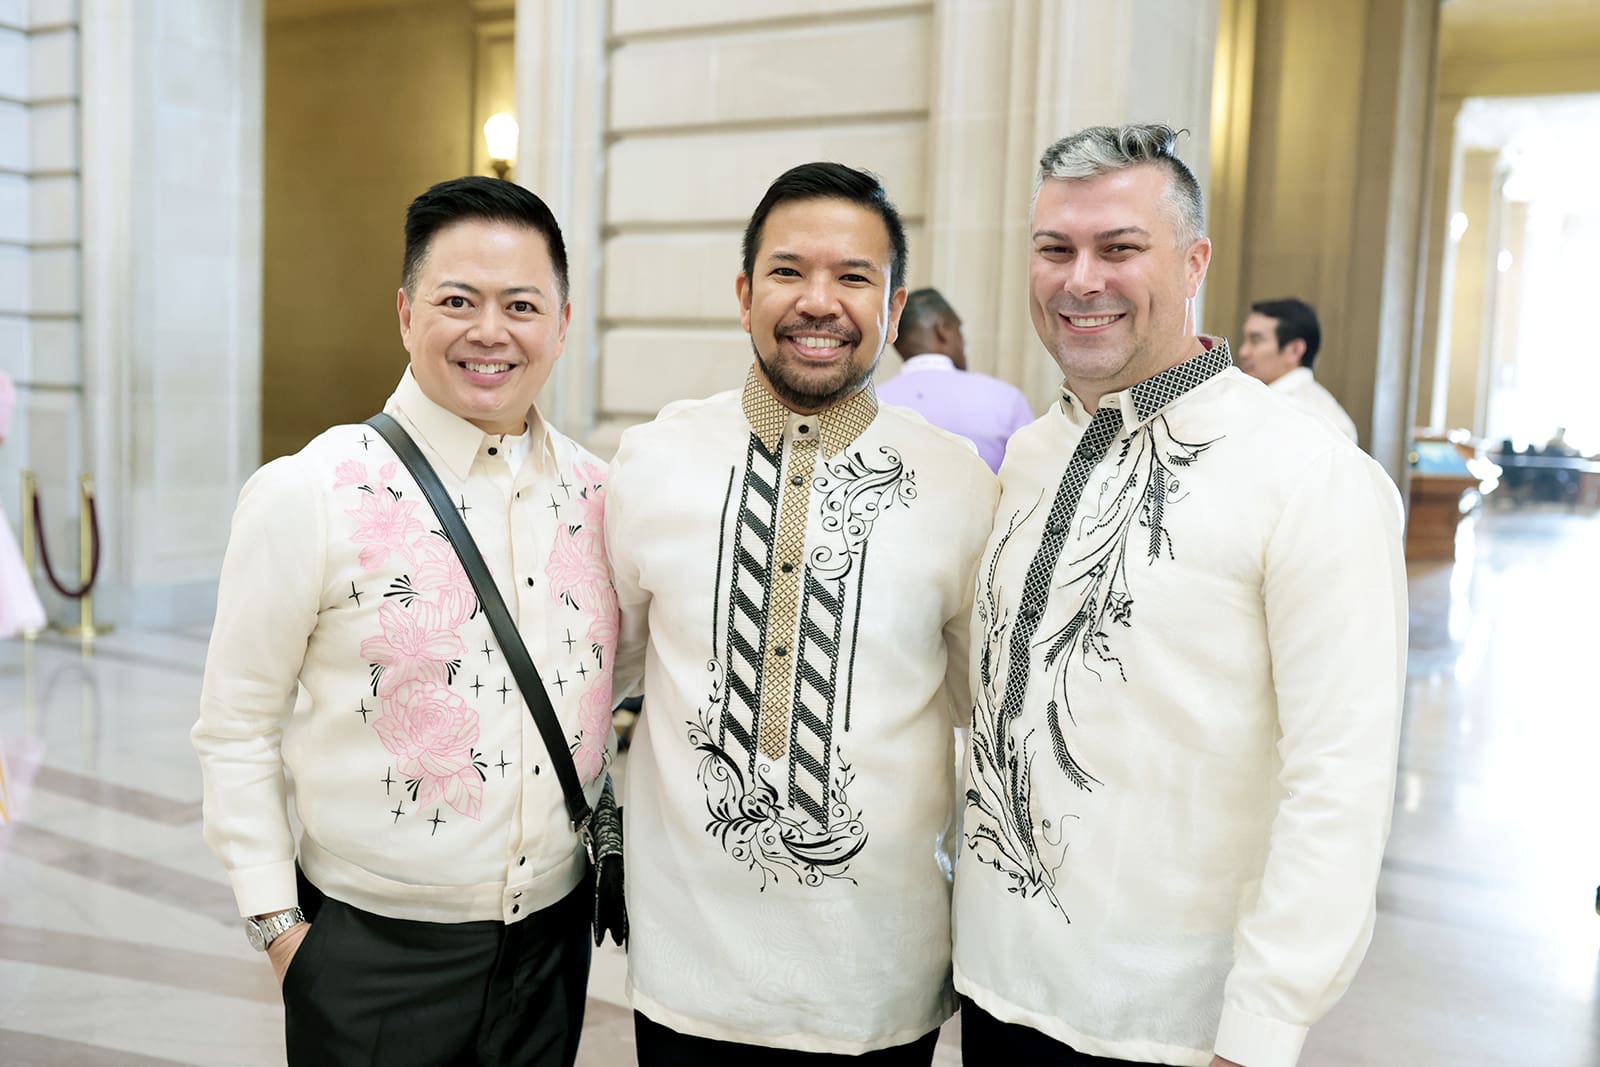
[(515, 290), (853, 264), (1103, 235)]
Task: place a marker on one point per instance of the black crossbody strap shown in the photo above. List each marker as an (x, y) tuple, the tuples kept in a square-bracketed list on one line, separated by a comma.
[(505, 631)]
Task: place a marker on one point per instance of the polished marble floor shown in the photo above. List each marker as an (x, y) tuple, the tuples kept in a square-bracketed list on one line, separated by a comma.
[(119, 944)]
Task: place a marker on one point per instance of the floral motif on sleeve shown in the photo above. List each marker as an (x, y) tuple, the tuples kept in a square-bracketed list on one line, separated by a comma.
[(385, 523), (431, 732)]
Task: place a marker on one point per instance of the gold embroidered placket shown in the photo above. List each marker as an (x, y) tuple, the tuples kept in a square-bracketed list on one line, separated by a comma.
[(794, 508), (827, 434)]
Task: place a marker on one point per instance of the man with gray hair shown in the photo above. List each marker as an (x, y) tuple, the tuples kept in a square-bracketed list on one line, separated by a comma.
[(1187, 709)]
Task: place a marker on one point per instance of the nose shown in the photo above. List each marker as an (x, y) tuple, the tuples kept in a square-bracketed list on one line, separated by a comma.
[(1085, 276), (818, 298), (489, 327)]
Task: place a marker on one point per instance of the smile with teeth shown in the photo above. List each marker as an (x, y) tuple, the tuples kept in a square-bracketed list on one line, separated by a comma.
[(818, 343), (1086, 322), (486, 368)]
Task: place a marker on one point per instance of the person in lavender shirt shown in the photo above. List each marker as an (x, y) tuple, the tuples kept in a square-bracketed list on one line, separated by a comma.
[(935, 382)]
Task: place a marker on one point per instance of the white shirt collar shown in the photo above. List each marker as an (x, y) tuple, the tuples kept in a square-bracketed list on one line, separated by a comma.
[(928, 361)]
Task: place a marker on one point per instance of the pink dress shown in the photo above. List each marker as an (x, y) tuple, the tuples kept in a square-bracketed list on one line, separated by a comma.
[(20, 609)]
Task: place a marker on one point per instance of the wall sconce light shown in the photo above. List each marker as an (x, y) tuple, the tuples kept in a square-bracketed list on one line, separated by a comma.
[(1458, 225), (500, 132)]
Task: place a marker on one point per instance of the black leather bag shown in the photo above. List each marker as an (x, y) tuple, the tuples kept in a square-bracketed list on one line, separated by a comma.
[(600, 827)]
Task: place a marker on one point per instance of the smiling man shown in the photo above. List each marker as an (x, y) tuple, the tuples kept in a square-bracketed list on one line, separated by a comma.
[(1190, 640), (433, 909), (795, 569)]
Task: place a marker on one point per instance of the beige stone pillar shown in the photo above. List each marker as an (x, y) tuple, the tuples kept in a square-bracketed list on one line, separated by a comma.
[(1439, 267), (1333, 179), (1466, 337), (171, 100)]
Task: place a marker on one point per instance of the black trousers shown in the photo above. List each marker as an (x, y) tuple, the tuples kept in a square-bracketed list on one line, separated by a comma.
[(366, 989), (985, 1040), (662, 1047)]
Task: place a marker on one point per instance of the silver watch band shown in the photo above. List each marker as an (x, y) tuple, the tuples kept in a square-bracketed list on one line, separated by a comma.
[(263, 932)]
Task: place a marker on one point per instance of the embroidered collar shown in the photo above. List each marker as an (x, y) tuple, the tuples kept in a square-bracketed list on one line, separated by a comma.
[(454, 440), (1145, 400), (839, 425)]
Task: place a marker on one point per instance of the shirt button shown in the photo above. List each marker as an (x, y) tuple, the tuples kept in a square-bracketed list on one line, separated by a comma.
[(494, 451), (781, 650), (515, 908), (530, 583), (805, 428), (797, 480), (1056, 529), (786, 567), (521, 860)]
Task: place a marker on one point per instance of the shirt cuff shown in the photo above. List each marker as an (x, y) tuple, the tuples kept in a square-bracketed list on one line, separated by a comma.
[(1257, 1041), (259, 890)]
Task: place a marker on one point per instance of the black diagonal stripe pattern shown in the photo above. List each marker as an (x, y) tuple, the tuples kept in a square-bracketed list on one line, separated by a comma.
[(816, 676), (1091, 449), (747, 598)]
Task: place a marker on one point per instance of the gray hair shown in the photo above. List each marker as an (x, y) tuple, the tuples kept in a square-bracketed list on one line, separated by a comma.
[(1099, 149)]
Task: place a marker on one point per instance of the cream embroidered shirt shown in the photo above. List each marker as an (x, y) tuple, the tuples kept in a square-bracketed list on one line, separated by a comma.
[(1300, 388), (423, 785), (796, 590), (1190, 640)]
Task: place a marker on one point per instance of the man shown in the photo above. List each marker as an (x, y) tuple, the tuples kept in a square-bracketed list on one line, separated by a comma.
[(795, 565), (444, 885), (1187, 706), (984, 410), (1281, 339)]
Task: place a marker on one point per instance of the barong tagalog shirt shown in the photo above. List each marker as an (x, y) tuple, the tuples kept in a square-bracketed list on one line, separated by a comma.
[(797, 592), (423, 785), (1190, 638), (1301, 388)]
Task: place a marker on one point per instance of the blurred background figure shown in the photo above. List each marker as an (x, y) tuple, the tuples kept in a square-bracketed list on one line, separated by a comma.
[(1280, 343), (20, 610), (935, 381)]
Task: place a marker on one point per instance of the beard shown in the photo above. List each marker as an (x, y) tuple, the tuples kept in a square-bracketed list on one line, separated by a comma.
[(815, 391)]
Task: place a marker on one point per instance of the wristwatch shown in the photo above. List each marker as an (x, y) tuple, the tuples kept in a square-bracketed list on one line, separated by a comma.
[(263, 932)]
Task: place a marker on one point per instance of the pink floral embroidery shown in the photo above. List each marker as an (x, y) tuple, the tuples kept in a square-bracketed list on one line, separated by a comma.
[(439, 579), (431, 732), (594, 722), (384, 521), (592, 496), (349, 473), (414, 646)]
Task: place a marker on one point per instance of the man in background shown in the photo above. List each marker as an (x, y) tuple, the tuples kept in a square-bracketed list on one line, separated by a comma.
[(936, 384), (1281, 339)]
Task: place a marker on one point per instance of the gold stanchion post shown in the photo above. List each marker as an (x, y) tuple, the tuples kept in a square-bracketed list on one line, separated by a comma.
[(29, 487), (86, 629)]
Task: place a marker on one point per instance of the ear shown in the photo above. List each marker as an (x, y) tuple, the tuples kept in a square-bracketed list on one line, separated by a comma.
[(1295, 351), (403, 308), (1196, 264), (561, 330), (897, 304), (741, 287)]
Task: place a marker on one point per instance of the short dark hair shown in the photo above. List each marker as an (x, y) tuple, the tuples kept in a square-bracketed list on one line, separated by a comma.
[(830, 181), (1297, 321), (481, 199)]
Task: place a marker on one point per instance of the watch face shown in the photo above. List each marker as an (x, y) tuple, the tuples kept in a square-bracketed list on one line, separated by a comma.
[(252, 931)]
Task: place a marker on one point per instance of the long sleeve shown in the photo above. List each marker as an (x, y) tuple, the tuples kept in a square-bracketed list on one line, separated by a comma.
[(1335, 607), (268, 599), (633, 603)]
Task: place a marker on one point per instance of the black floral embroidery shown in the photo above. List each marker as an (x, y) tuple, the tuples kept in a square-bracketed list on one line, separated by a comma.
[(752, 824), (1004, 834)]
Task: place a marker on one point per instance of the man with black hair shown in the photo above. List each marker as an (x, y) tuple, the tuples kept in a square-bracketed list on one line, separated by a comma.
[(1281, 340), (935, 382), (435, 907), (794, 566)]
